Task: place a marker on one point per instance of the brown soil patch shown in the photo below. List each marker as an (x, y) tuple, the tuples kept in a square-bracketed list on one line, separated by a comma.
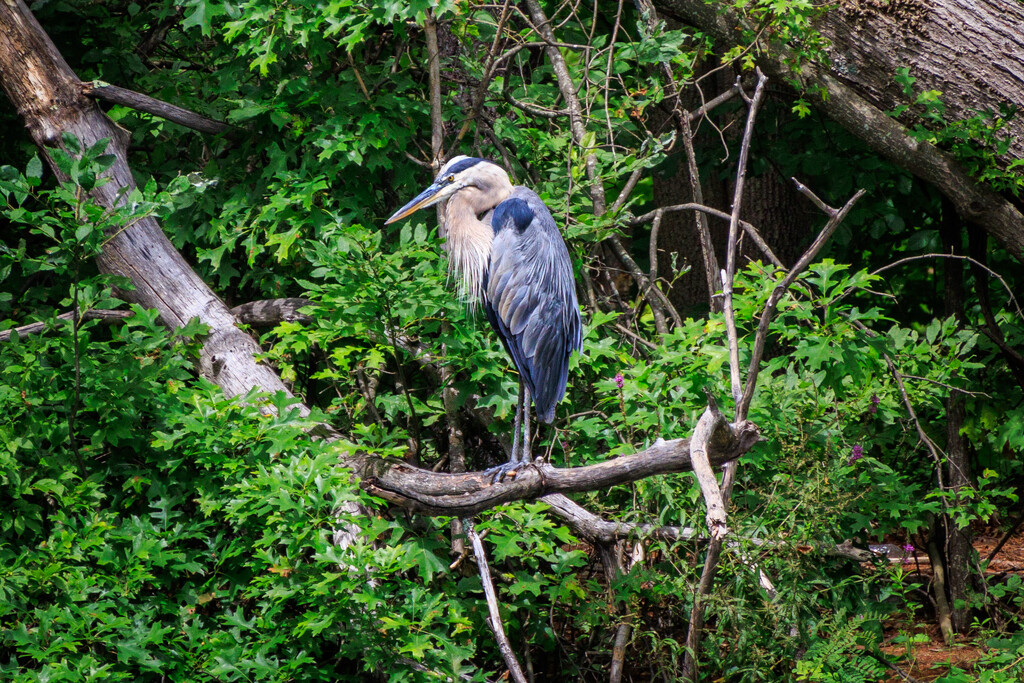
[(930, 658)]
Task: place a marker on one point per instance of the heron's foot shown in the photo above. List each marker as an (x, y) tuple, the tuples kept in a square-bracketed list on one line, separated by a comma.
[(499, 473)]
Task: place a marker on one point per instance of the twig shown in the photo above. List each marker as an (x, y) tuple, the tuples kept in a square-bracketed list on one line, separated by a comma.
[(695, 206), (129, 98), (900, 672), (568, 90), (970, 260), (1006, 537), (635, 337), (492, 604), (479, 95), (652, 249), (532, 108), (707, 249), (659, 302), (836, 217), (732, 246)]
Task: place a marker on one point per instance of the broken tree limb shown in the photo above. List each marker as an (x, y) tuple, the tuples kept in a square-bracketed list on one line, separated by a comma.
[(114, 94), (265, 313), (91, 314), (270, 312), (705, 430)]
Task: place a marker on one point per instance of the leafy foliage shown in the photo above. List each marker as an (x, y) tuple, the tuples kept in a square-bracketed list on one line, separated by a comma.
[(149, 527)]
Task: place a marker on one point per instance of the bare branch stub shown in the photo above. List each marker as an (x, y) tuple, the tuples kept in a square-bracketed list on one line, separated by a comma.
[(171, 112), (702, 434)]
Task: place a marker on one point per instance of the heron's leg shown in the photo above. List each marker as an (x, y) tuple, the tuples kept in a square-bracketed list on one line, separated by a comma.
[(527, 455), (519, 423), (516, 460)]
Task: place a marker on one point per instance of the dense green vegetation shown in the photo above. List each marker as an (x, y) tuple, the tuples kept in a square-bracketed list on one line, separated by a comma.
[(151, 529)]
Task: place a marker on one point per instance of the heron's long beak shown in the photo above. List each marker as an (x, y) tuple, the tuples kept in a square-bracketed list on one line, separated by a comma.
[(431, 195)]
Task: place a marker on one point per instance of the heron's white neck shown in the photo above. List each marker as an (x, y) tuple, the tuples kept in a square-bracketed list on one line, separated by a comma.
[(468, 240)]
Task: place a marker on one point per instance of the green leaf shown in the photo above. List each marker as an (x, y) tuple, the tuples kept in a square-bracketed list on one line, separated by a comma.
[(34, 168)]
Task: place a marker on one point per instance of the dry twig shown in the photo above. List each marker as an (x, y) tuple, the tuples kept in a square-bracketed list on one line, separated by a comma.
[(492, 604)]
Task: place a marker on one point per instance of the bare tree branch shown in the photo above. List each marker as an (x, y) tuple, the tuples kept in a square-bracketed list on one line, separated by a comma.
[(172, 112), (438, 493), (732, 247), (492, 605), (694, 206), (836, 217), (91, 314)]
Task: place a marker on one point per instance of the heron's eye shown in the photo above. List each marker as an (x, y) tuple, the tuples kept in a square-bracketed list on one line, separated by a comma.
[(451, 179)]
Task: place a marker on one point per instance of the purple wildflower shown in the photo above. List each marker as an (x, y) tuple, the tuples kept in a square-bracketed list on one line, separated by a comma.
[(874, 404), (908, 548), (620, 381), (856, 453)]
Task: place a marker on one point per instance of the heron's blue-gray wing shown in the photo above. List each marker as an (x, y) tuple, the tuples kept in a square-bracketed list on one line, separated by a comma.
[(530, 297)]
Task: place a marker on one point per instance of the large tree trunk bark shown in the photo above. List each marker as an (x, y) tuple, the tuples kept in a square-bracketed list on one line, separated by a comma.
[(974, 51)]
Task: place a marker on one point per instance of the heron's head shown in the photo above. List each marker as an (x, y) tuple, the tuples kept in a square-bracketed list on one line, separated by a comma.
[(459, 173)]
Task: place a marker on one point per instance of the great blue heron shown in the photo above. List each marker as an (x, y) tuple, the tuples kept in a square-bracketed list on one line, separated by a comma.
[(504, 247)]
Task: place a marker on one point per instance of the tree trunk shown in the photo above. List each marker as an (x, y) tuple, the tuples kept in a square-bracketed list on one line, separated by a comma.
[(972, 51), (957, 548), (981, 67)]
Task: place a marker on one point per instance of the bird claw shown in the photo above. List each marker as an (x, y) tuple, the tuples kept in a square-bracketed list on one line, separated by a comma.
[(499, 473)]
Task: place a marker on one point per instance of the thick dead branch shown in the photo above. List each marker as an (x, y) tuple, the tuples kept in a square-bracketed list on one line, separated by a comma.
[(270, 312), (49, 97), (171, 112), (702, 433), (597, 530), (438, 493)]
